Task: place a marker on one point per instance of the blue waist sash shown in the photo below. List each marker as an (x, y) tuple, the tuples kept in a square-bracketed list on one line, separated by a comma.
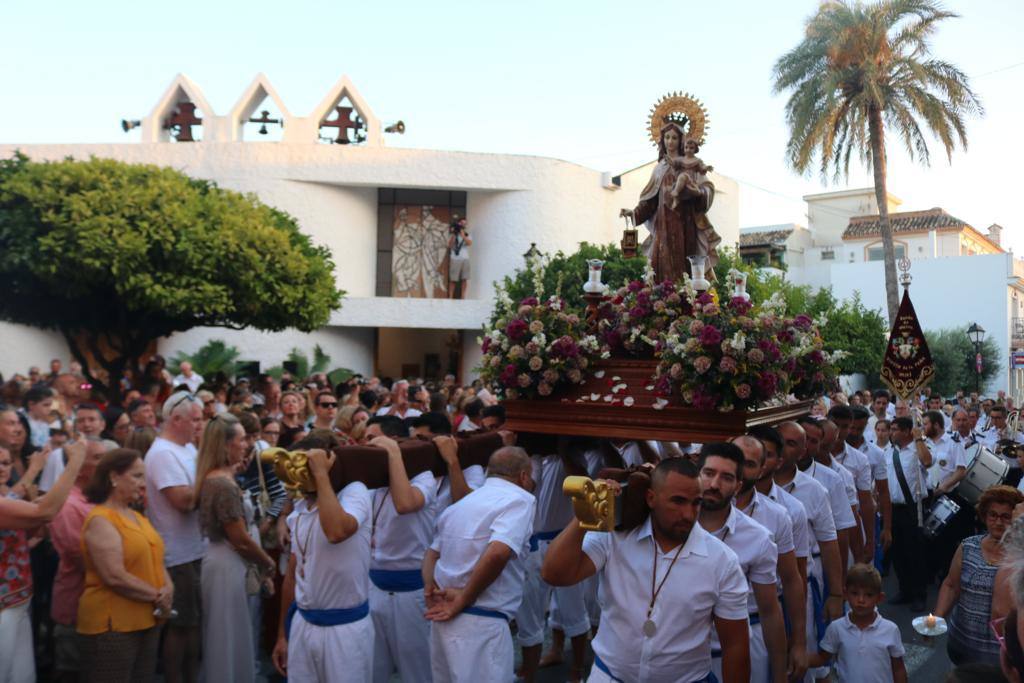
[(818, 601), (543, 536), (601, 666), (397, 580), (326, 617), (481, 612)]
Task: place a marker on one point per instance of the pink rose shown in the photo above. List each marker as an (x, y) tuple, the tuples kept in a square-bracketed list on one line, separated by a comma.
[(524, 380), (544, 389), (743, 391), (702, 364), (727, 364), (536, 363)]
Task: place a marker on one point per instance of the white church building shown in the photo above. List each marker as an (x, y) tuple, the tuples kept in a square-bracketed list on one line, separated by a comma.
[(381, 210)]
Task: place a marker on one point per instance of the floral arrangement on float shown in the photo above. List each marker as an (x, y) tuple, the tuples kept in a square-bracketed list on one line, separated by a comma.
[(712, 355), (738, 356), (634, 317), (536, 347)]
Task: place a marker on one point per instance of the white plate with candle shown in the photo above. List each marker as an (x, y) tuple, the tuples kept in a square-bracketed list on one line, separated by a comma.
[(930, 625)]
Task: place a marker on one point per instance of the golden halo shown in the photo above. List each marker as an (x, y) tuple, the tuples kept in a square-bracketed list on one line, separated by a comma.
[(683, 109)]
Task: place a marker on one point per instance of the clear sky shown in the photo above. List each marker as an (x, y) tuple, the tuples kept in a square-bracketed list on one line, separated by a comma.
[(573, 80)]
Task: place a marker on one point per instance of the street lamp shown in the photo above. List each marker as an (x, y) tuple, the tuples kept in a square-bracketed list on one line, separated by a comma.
[(976, 333)]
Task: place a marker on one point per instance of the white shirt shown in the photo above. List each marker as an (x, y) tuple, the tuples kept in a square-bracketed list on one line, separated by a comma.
[(167, 465), (194, 381), (864, 655), (399, 541), (499, 511), (848, 485), (467, 425), (705, 582), (876, 458), (773, 517), (838, 499), (409, 412), (54, 466), (947, 456), (475, 478), (334, 575), (913, 471), (554, 508), (798, 515), (753, 545), (858, 465), (815, 499)]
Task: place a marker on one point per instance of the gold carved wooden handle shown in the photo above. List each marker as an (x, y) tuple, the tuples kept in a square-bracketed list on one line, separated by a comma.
[(292, 468), (593, 502)]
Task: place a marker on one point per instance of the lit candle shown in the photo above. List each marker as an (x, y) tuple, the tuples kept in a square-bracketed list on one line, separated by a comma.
[(930, 621)]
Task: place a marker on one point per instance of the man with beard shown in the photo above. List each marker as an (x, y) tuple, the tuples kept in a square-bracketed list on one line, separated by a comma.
[(860, 468), (823, 457), (660, 632), (879, 472), (825, 569), (777, 520), (721, 466), (840, 498)]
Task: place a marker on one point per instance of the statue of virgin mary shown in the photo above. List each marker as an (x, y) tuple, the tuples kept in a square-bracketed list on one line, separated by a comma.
[(676, 215)]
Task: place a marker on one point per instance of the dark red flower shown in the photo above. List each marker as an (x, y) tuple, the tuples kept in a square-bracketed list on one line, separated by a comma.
[(516, 329), (710, 336)]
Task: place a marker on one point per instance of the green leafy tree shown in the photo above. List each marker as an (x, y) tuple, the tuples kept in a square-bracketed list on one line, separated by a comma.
[(116, 255), (566, 274), (212, 358), (862, 71), (953, 355)]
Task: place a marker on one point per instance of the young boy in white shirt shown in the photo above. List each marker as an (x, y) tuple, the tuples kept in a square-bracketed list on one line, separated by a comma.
[(868, 646)]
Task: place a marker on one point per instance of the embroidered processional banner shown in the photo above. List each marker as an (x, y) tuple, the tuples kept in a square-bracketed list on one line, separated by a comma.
[(908, 365)]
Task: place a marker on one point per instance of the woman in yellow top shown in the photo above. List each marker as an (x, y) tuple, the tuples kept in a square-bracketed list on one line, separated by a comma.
[(127, 590)]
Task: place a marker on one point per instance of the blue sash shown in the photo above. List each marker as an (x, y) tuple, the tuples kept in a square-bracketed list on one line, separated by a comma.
[(819, 607), (326, 617), (601, 666), (543, 536), (481, 612), (397, 580)]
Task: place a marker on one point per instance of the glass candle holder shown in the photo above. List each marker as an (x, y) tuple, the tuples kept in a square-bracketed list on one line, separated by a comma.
[(697, 264), (593, 285)]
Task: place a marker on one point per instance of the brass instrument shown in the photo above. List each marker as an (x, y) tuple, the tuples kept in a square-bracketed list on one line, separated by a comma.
[(593, 502), (292, 468)]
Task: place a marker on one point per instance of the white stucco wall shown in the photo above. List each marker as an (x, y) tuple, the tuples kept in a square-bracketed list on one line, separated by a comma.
[(512, 200), (24, 347), (946, 293)]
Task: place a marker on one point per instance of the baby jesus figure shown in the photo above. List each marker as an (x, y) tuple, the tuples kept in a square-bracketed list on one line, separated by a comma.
[(691, 170)]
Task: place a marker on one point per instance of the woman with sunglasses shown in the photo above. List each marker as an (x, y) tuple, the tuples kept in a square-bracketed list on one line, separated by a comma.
[(966, 594)]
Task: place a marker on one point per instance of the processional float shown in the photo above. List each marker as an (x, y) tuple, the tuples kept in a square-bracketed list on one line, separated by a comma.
[(674, 357)]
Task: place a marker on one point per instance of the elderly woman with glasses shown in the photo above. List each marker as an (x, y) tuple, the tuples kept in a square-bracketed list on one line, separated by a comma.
[(966, 594)]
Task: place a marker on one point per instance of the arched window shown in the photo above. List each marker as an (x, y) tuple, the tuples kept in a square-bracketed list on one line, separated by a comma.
[(876, 252)]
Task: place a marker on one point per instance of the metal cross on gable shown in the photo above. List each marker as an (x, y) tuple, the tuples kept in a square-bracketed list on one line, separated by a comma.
[(181, 122), (344, 123), (263, 120)]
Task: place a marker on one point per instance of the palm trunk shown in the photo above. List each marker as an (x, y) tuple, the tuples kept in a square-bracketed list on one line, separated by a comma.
[(877, 134)]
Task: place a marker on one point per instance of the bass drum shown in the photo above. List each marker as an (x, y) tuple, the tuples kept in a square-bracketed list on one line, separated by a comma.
[(987, 470), (939, 516)]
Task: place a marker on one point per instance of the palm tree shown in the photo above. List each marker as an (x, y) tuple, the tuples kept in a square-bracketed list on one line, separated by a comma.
[(862, 69)]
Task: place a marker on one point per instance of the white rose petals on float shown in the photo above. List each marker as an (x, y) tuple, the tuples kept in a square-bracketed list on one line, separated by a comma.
[(618, 387), (649, 387), (628, 401), (599, 374), (608, 398), (659, 404), (594, 397)]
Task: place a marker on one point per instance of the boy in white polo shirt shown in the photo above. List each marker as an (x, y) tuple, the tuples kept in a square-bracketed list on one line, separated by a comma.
[(868, 646)]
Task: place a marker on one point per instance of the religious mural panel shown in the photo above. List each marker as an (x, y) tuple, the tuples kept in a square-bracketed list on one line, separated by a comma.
[(418, 265)]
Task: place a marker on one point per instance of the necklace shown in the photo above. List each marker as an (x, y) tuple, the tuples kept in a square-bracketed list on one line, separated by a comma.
[(376, 514), (303, 549), (649, 627)]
